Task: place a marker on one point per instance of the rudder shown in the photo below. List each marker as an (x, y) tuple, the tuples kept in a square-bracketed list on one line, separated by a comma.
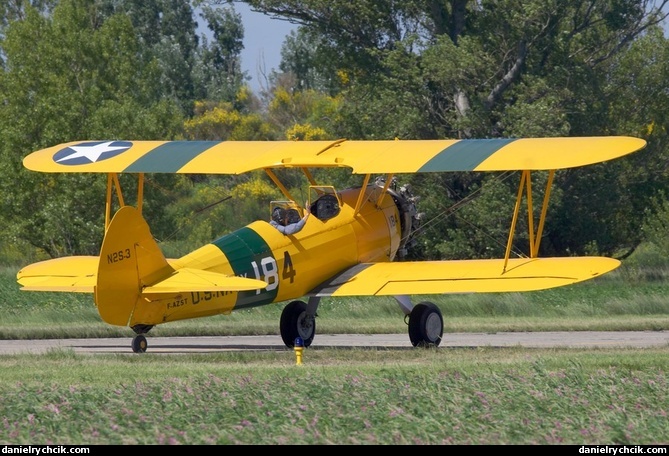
[(129, 259)]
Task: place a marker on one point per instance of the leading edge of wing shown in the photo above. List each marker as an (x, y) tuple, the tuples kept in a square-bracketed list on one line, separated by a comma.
[(363, 157), (464, 276)]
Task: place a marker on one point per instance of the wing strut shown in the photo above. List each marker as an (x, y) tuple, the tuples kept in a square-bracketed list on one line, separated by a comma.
[(544, 210), (113, 182), (516, 209), (309, 177), (279, 184), (361, 196), (534, 238), (389, 178)]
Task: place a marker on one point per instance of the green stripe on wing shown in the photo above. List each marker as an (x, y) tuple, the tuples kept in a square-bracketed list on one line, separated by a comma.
[(464, 155), (169, 157)]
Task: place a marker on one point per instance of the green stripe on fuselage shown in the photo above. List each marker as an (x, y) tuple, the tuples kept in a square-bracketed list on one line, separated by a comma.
[(169, 157), (464, 155), (243, 248)]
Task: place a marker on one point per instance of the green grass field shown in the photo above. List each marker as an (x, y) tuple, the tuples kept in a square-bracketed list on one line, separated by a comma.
[(347, 396)]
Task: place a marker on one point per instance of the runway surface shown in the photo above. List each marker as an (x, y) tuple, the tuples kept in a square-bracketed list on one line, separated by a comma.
[(577, 339)]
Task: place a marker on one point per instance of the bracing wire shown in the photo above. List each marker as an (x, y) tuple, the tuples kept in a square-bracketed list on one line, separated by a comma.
[(452, 210), (195, 212)]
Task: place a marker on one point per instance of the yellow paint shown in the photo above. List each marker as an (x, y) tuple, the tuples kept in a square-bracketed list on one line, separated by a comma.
[(70, 274), (560, 153), (362, 157), (298, 355), (129, 259), (474, 276)]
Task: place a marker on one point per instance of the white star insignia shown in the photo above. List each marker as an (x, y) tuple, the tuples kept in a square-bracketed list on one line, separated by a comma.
[(91, 152)]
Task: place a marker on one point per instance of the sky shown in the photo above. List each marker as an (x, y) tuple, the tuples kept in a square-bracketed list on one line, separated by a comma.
[(263, 38)]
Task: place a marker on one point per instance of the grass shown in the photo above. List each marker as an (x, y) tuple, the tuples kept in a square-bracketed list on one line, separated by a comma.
[(347, 396), (444, 396)]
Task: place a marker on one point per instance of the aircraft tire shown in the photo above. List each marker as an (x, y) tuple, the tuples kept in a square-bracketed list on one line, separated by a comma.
[(139, 344), (295, 322), (426, 325)]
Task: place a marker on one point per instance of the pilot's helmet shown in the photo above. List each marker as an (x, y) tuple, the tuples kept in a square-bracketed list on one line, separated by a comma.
[(293, 215), (279, 215)]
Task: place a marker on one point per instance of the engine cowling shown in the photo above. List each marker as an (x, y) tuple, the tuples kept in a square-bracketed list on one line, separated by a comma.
[(410, 218)]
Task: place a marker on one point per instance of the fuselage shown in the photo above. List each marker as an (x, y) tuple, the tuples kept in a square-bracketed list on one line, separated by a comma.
[(291, 265)]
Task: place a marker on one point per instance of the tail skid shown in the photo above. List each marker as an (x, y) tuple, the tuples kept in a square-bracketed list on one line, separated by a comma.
[(129, 260)]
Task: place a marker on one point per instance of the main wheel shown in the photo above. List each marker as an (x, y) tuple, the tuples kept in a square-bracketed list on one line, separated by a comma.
[(426, 325), (139, 343), (295, 322)]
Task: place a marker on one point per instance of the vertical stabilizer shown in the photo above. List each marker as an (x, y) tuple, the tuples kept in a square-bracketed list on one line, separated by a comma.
[(129, 259)]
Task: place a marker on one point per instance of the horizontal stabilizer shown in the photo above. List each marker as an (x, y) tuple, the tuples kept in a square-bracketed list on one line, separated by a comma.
[(79, 274), (188, 279), (69, 274), (464, 276)]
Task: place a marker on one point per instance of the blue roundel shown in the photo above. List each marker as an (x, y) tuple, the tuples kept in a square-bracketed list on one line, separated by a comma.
[(90, 152)]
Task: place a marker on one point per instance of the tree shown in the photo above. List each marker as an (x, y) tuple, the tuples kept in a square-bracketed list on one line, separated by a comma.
[(70, 75), (302, 63), (221, 122), (469, 59), (167, 31), (459, 69), (219, 68)]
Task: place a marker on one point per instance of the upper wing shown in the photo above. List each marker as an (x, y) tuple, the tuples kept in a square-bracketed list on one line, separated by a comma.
[(463, 276), (363, 157)]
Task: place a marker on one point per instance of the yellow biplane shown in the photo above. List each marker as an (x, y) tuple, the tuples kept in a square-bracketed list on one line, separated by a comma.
[(348, 246)]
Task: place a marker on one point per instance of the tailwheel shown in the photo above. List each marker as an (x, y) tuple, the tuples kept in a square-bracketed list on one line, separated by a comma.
[(426, 325), (296, 322), (139, 343)]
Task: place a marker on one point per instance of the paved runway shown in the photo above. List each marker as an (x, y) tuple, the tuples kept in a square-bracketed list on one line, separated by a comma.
[(609, 339)]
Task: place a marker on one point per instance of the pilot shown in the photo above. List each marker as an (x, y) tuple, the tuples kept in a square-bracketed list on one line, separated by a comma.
[(284, 220)]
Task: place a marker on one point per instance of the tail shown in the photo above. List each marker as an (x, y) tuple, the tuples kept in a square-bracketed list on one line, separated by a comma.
[(129, 259)]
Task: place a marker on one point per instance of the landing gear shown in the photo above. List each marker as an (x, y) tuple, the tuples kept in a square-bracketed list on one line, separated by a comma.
[(426, 325), (139, 343), (297, 321)]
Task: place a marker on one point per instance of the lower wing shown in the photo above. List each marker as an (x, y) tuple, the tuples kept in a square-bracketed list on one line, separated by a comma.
[(74, 274), (464, 276), (79, 274)]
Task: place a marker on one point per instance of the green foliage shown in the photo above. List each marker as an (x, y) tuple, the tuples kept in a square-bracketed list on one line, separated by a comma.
[(306, 133), (299, 58), (214, 207), (392, 104), (220, 121), (481, 227), (308, 107), (86, 81), (538, 111), (219, 64), (656, 225), (126, 69)]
